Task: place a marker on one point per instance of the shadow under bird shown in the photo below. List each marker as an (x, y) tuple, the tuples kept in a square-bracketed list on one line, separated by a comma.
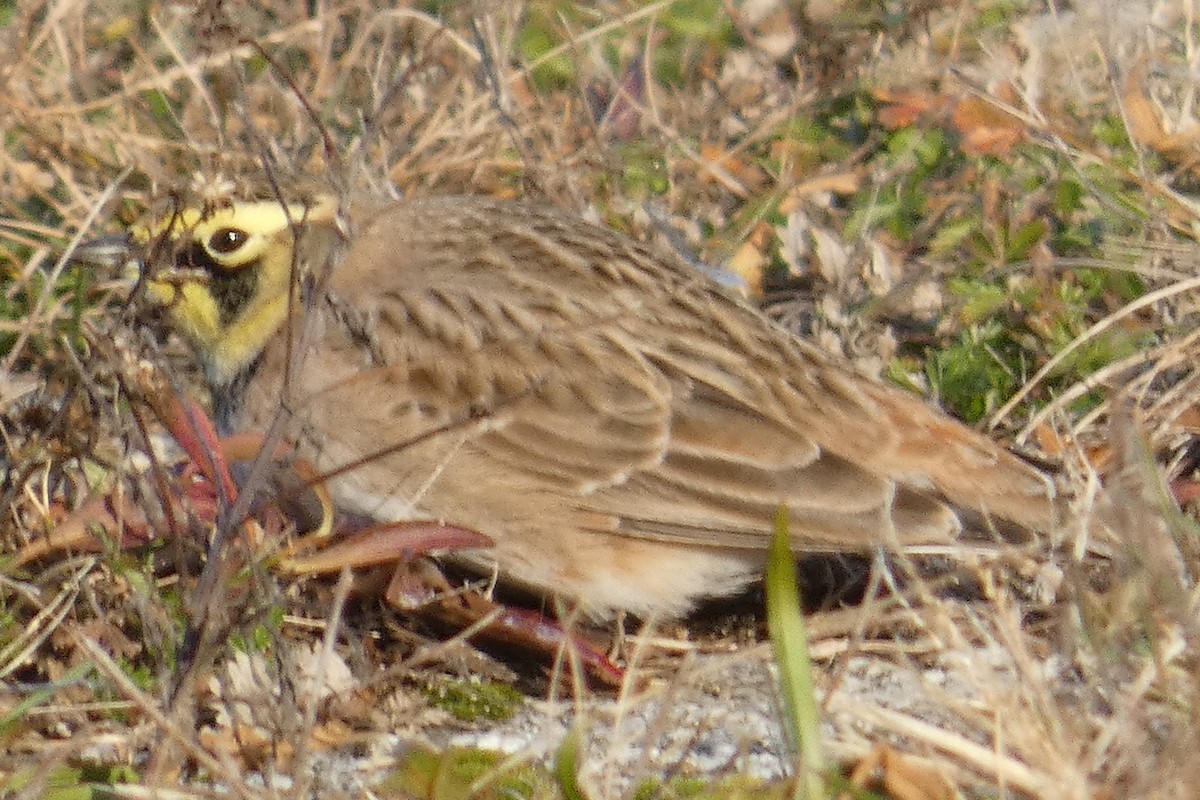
[(622, 427)]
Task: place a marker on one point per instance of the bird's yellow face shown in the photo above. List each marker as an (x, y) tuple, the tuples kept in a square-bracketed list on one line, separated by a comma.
[(225, 277)]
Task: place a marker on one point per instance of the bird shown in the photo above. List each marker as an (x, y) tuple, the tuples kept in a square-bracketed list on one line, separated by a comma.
[(620, 425)]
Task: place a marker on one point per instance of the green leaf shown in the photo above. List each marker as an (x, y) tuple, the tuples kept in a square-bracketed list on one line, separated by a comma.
[(1022, 240), (952, 234), (566, 767), (789, 640), (14, 715)]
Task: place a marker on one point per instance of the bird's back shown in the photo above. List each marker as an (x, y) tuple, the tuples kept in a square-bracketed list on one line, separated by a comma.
[(510, 366)]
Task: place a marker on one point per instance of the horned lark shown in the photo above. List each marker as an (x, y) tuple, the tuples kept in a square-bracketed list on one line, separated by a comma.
[(621, 426)]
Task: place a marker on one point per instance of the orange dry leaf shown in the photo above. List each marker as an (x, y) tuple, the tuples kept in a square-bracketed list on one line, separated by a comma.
[(246, 745), (1188, 421), (840, 183), (330, 735), (750, 259), (985, 128), (900, 777), (1048, 440), (745, 172), (901, 109), (1146, 126), (1099, 457), (1185, 493)]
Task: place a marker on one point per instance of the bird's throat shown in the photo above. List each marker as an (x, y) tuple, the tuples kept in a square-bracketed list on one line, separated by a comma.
[(228, 398)]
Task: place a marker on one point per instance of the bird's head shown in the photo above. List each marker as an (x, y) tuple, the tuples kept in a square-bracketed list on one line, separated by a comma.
[(225, 277)]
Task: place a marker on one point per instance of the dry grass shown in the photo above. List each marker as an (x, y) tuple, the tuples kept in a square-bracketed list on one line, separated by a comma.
[(839, 151)]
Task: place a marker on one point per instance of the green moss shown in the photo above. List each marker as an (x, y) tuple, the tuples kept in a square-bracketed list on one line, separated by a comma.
[(536, 41), (473, 700), (460, 773), (732, 788), (974, 374), (465, 772), (643, 170)]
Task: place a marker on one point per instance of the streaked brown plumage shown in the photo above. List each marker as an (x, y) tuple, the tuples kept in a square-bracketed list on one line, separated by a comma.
[(621, 426)]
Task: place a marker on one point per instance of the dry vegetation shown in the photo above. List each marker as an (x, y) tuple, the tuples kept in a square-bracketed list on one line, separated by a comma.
[(985, 201)]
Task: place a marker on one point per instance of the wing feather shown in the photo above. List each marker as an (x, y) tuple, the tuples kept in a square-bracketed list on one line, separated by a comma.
[(645, 395)]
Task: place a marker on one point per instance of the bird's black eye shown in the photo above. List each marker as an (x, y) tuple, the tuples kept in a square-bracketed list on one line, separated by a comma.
[(227, 240)]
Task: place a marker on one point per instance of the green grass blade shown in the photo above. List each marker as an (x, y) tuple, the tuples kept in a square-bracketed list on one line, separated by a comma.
[(789, 639)]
